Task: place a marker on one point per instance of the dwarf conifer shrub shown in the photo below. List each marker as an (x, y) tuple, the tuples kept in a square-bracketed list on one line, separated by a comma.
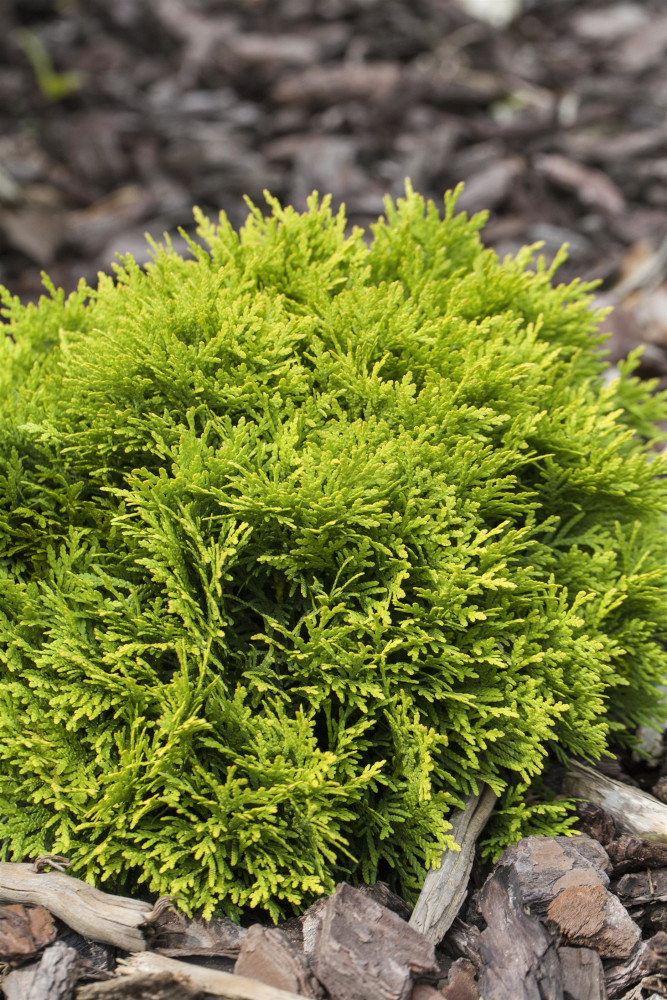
[(303, 539)]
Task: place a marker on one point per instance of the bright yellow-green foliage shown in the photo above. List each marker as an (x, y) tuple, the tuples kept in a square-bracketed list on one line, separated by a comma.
[(302, 539)]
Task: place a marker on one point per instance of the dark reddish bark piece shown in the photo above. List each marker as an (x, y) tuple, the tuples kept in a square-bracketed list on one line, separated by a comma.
[(631, 854), (591, 917), (358, 948), (643, 887), (268, 955), (519, 958), (596, 822), (462, 982), (545, 866), (583, 975), (24, 930)]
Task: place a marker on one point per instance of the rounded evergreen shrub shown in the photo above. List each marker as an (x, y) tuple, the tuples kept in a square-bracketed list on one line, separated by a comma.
[(303, 539)]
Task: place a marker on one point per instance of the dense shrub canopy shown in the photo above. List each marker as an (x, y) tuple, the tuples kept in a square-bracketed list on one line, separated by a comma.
[(302, 539)]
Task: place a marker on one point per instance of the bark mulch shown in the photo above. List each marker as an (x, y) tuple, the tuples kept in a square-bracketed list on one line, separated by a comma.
[(556, 918), (115, 118)]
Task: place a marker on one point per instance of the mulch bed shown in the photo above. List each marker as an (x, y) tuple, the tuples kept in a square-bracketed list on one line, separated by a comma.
[(114, 119), (564, 918)]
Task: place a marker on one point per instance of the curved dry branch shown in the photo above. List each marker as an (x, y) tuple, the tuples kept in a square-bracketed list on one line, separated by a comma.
[(113, 920)]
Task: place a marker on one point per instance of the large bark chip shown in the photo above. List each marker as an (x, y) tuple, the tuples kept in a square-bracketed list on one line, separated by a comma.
[(268, 955), (24, 930), (583, 974), (591, 917), (360, 949), (547, 865), (529, 968)]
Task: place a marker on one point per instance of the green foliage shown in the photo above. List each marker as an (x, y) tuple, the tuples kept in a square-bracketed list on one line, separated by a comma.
[(303, 539), (529, 810), (53, 85)]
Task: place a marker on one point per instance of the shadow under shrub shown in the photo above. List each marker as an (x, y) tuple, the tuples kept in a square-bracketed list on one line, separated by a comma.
[(304, 538)]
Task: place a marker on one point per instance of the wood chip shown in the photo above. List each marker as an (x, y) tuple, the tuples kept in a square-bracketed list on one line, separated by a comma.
[(423, 991), (268, 955), (172, 934), (643, 887), (660, 790), (328, 85), (491, 186), (142, 986), (545, 866), (583, 975), (360, 949), (529, 968), (628, 854), (593, 188), (382, 894), (35, 230), (649, 958), (620, 976), (462, 940), (595, 822), (591, 917), (24, 930), (198, 978), (654, 956), (461, 983)]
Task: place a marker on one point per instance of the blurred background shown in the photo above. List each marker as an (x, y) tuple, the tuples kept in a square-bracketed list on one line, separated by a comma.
[(116, 116)]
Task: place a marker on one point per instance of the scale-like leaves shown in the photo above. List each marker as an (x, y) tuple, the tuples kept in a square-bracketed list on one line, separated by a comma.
[(302, 540)]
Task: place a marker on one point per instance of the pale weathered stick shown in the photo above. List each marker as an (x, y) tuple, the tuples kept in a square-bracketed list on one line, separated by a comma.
[(632, 810), (445, 887), (219, 984), (112, 920)]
